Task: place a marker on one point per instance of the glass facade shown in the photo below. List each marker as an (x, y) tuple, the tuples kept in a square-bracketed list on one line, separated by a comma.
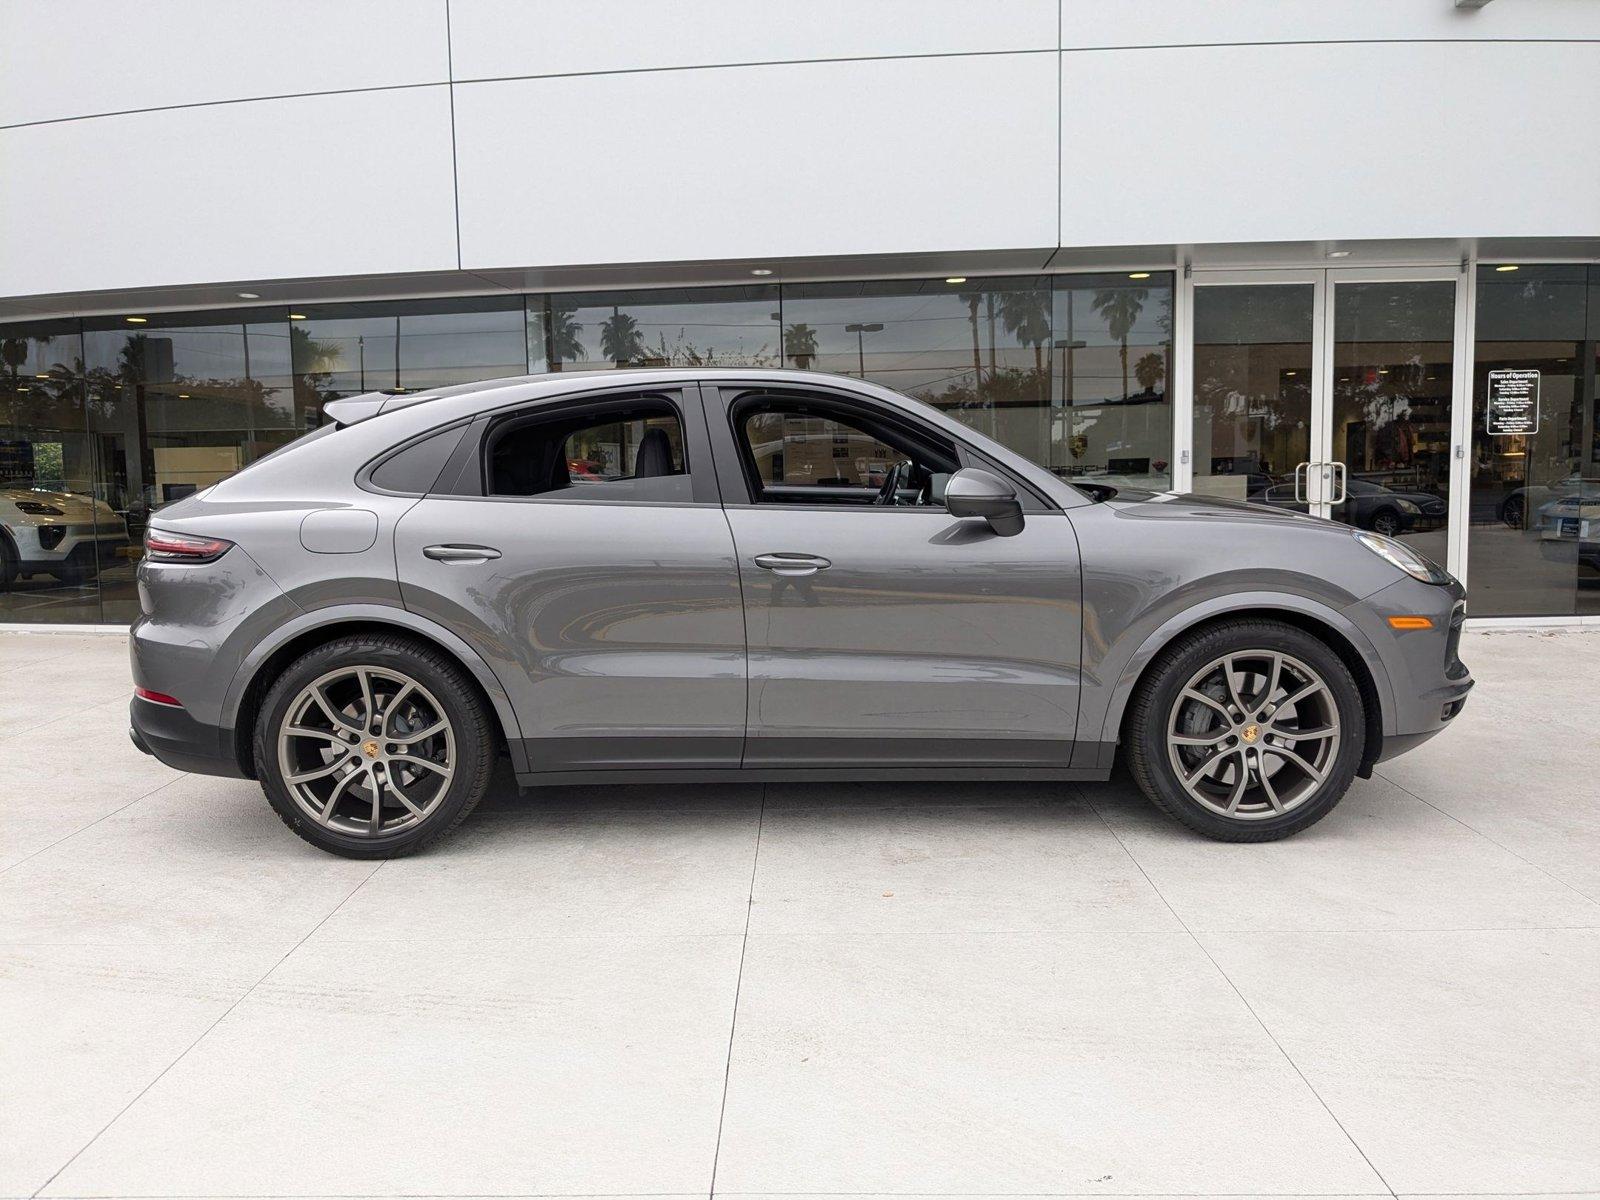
[(1533, 533), (104, 420)]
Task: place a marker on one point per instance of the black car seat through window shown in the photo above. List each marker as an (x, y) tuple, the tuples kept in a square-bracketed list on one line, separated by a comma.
[(655, 455)]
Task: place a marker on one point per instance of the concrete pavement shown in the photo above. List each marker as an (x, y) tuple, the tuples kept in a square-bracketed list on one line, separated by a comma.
[(822, 989)]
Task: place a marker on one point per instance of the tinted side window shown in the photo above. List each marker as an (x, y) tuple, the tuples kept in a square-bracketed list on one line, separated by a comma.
[(804, 454), (415, 469), (632, 450)]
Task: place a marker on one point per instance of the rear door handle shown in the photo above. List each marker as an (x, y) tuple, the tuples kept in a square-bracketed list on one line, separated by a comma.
[(792, 564), (460, 554)]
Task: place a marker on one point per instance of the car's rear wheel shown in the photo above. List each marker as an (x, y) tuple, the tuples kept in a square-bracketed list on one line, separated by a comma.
[(372, 746), (1247, 731)]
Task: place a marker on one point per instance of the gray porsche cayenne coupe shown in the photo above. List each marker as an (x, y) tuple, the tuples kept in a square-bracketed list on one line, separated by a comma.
[(634, 576)]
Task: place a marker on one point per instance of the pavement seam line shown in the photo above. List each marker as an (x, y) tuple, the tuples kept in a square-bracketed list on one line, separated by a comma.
[(738, 983), (1250, 1008), (1492, 842), (85, 828), (206, 1032)]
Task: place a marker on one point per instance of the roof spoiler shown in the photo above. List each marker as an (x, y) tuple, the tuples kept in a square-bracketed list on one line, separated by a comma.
[(348, 410)]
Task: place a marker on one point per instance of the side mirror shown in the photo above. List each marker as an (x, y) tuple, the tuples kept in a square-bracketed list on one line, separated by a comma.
[(972, 492)]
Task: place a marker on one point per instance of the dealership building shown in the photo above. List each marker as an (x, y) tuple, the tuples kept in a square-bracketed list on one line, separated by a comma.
[(1335, 257)]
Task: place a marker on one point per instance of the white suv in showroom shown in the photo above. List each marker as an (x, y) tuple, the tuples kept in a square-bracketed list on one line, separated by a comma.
[(62, 534)]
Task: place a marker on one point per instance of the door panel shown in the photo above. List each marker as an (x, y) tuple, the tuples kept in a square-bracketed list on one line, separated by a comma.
[(1350, 372), (925, 639), (1254, 366), (616, 629), (1392, 366)]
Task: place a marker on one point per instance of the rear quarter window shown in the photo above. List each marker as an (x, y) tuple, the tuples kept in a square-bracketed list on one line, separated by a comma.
[(415, 469)]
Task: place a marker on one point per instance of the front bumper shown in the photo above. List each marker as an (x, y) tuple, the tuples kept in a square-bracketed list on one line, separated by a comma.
[(79, 555), (177, 739), (1428, 682)]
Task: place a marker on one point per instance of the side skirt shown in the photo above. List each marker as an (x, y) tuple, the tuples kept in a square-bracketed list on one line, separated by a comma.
[(863, 774)]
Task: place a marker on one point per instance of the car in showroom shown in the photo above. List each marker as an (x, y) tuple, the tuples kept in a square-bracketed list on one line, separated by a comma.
[(1369, 505), (1513, 510), (778, 575), (1568, 527), (47, 531)]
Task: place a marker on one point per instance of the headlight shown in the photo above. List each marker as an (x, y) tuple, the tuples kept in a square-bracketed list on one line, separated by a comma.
[(1404, 557), (1406, 506)]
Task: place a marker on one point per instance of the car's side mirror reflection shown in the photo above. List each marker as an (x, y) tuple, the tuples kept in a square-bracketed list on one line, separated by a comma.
[(973, 492)]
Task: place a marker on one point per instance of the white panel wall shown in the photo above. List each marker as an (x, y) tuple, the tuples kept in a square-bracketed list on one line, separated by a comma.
[(822, 158), (639, 131), (322, 185), (1325, 141), (1200, 22), (73, 58), (504, 38)]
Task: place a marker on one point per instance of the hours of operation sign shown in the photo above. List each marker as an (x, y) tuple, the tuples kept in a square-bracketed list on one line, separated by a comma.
[(1513, 403)]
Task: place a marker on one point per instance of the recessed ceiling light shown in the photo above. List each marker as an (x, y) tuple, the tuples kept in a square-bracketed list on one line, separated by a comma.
[(183, 395), (1338, 254), (1139, 275), (297, 316), (135, 320), (1507, 267), (42, 376), (956, 279), (1383, 370), (248, 296), (761, 271), (1290, 374)]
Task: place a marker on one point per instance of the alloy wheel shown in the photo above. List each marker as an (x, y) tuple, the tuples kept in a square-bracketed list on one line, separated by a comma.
[(366, 751), (1253, 734)]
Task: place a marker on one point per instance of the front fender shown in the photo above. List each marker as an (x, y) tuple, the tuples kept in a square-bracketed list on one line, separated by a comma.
[(370, 614), (1127, 659)]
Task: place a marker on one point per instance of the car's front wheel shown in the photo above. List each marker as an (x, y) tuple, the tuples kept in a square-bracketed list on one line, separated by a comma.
[(373, 745), (1386, 521), (1246, 731)]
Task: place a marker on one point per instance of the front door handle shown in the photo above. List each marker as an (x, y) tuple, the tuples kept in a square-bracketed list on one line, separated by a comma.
[(460, 554), (792, 564)]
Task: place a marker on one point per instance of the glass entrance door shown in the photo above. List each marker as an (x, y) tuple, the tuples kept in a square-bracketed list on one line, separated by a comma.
[(1391, 364), (1329, 392), (1257, 346)]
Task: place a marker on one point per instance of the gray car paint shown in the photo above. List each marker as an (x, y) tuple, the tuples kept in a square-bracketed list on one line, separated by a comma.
[(1122, 578)]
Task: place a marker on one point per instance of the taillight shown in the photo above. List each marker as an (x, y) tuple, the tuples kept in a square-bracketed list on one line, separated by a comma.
[(145, 693), (163, 546)]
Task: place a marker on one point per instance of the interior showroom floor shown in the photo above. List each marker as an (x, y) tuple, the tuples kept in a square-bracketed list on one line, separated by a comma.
[(833, 989)]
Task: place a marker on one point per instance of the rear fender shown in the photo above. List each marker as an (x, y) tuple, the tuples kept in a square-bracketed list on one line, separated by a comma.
[(376, 614)]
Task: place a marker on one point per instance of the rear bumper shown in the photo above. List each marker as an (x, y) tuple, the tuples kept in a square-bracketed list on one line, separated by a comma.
[(177, 739)]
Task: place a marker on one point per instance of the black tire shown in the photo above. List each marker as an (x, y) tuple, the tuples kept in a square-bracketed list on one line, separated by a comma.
[(475, 741), (1386, 521), (1153, 705), (1513, 512), (8, 561)]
